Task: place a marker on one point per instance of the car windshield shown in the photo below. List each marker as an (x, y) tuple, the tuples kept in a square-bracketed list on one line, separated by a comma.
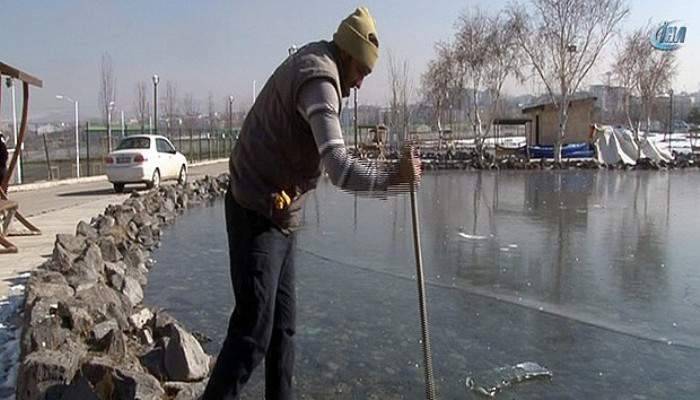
[(134, 143)]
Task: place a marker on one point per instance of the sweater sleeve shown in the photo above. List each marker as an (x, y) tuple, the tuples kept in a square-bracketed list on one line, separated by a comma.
[(3, 155), (318, 104)]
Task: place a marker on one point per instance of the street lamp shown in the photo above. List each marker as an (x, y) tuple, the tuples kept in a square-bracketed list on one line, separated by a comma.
[(230, 122), (77, 137), (155, 103), (123, 125), (110, 107), (230, 115)]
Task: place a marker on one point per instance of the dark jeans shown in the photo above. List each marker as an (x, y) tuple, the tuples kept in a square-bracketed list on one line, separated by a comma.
[(263, 320)]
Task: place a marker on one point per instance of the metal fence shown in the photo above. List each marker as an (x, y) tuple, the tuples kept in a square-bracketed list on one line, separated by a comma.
[(53, 156)]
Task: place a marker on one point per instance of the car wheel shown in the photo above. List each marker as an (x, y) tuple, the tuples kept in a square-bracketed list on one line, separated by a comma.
[(119, 187), (182, 177), (155, 180)]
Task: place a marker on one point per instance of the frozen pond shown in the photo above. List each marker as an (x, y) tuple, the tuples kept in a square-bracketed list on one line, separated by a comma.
[(591, 274)]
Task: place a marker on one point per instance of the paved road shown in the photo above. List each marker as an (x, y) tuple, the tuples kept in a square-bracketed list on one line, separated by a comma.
[(58, 209), (41, 201)]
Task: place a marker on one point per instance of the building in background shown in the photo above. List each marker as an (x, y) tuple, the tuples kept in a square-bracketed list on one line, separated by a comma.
[(544, 127)]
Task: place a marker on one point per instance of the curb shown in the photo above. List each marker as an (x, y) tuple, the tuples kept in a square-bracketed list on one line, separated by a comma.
[(98, 178), (48, 184), (208, 162)]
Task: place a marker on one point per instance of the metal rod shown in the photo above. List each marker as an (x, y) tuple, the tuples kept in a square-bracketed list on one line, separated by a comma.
[(77, 142), (422, 303), (87, 146)]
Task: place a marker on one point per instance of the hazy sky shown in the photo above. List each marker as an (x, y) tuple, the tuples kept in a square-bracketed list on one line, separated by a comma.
[(222, 46)]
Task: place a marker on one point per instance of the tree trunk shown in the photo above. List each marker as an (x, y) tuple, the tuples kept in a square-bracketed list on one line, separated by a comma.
[(563, 117), (480, 136), (557, 149), (439, 127)]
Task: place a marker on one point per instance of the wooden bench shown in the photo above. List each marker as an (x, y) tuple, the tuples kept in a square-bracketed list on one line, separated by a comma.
[(8, 208)]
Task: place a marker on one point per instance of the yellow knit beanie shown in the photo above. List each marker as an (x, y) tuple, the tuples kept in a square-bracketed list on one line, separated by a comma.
[(353, 36)]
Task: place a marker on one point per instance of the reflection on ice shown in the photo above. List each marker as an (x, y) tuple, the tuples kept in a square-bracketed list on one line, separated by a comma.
[(471, 237), (569, 295)]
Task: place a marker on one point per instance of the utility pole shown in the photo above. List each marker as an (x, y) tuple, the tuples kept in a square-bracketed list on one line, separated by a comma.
[(230, 119), (77, 142), (87, 146), (156, 79), (109, 126)]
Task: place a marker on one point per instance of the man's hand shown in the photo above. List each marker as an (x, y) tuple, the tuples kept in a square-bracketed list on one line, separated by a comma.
[(409, 167)]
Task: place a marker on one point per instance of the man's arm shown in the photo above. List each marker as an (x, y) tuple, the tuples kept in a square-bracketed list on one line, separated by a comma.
[(318, 104), (3, 154)]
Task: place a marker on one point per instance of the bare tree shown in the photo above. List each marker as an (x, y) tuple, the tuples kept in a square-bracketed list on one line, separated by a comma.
[(436, 81), (141, 106), (486, 54), (108, 94), (401, 87), (211, 113), (108, 85), (562, 40), (170, 105), (644, 72), (190, 110)]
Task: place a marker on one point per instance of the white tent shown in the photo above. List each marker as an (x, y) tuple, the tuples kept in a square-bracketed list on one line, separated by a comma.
[(617, 144)]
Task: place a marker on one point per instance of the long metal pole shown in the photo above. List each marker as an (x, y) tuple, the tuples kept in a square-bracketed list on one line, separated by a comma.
[(230, 125), (87, 146), (230, 115), (109, 129), (155, 107), (422, 303), (77, 142)]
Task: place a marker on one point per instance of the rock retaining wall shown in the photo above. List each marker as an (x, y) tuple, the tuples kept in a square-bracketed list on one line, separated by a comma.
[(469, 160), (86, 333)]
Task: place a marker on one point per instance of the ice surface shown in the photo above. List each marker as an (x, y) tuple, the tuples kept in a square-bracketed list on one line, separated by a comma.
[(492, 381)]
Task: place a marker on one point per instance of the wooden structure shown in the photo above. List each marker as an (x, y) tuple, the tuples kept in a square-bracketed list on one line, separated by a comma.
[(502, 147), (544, 127), (9, 209), (374, 146)]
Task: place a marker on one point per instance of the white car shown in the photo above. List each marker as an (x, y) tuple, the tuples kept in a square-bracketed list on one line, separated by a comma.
[(145, 159)]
